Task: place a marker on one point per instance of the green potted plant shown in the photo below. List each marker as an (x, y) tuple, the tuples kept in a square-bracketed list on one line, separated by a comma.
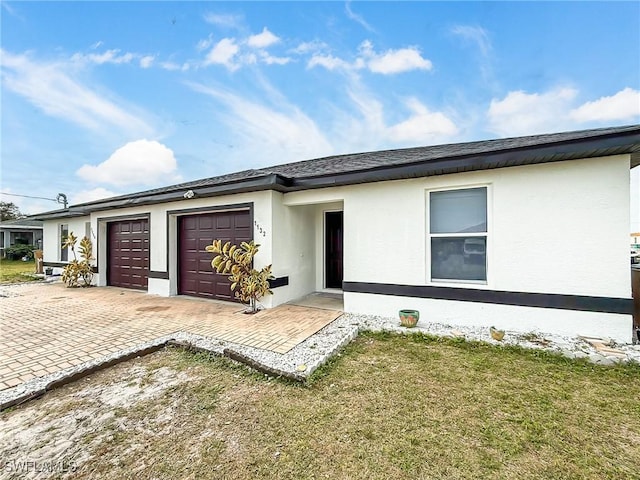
[(496, 334), (409, 318)]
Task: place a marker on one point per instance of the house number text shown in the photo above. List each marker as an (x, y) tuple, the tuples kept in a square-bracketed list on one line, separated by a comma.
[(259, 228)]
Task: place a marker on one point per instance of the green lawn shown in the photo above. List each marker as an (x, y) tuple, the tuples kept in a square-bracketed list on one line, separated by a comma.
[(15, 271), (389, 407)]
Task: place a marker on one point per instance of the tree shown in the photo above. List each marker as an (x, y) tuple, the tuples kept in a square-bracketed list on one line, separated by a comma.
[(9, 211)]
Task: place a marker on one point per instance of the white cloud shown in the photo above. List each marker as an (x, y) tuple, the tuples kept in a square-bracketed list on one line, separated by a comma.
[(172, 66), (96, 45), (477, 35), (357, 18), (84, 196), (371, 130), (224, 20), (51, 88), (142, 162), (109, 56), (263, 40), (398, 61), (11, 11), (222, 53), (273, 60), (392, 61), (624, 105), (328, 61), (233, 54), (423, 126), (205, 43), (521, 113), (309, 47), (147, 61), (387, 63), (272, 133)]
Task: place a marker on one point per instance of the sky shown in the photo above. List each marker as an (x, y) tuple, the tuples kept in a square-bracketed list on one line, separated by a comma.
[(105, 98)]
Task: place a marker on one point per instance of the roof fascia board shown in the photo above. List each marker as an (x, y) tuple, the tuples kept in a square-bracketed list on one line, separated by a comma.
[(59, 214), (266, 182), (20, 227)]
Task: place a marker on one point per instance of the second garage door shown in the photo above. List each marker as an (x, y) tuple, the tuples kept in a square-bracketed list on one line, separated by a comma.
[(128, 253), (196, 232)]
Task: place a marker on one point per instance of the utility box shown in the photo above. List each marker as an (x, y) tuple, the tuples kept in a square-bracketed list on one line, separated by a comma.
[(37, 254)]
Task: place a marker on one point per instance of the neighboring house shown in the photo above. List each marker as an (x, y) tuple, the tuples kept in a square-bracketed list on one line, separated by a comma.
[(635, 248), (478, 233), (22, 231)]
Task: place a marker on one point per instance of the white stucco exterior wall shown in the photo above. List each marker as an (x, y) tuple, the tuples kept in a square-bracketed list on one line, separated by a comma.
[(535, 214), (294, 233), (51, 236)]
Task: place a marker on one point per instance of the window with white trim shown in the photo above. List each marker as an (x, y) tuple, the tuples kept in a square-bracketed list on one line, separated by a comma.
[(64, 233), (458, 235)]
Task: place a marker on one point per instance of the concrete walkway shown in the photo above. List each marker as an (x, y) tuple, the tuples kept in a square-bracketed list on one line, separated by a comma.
[(46, 328)]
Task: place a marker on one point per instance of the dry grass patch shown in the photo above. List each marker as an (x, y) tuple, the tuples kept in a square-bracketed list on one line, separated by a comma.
[(388, 407)]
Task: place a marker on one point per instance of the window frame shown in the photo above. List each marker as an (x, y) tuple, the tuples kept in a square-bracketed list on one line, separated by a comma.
[(487, 235), (63, 252)]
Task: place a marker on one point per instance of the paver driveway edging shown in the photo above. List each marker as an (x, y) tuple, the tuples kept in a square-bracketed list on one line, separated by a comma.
[(312, 352), (47, 328), (39, 386)]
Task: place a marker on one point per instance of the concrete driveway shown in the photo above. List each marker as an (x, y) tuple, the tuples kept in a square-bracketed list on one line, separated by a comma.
[(45, 328)]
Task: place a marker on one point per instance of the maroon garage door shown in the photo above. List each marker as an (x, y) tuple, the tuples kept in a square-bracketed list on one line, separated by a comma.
[(196, 232), (128, 253)]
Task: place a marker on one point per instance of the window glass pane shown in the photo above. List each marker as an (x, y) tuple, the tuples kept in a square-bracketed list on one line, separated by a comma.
[(459, 258), (458, 211), (64, 232)]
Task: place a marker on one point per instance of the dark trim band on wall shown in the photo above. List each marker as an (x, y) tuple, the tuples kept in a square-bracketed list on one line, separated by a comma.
[(55, 264), (523, 299), (64, 264), (279, 282), (161, 275)]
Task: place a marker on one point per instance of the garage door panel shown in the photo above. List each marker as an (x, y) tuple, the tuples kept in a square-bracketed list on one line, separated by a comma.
[(243, 222), (196, 232), (137, 227), (225, 289), (128, 254)]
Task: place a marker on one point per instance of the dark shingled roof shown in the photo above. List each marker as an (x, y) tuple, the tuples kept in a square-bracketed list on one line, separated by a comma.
[(393, 164)]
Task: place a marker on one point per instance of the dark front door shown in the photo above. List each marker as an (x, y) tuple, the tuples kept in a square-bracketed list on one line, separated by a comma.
[(197, 277), (333, 249), (128, 253)]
